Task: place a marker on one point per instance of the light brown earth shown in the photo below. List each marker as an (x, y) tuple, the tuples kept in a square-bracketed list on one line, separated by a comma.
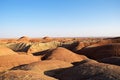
[(62, 58), (63, 54)]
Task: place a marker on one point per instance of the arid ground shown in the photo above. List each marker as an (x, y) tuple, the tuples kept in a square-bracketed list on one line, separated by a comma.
[(63, 58)]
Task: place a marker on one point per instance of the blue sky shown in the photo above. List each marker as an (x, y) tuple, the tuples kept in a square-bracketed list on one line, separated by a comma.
[(59, 18)]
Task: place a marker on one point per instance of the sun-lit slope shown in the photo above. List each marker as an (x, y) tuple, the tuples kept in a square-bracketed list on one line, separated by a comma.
[(64, 54), (9, 61)]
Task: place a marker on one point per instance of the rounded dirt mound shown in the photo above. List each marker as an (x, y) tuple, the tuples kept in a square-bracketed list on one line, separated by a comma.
[(90, 71), (23, 39), (23, 47), (82, 45), (105, 42), (101, 52), (39, 47), (43, 67), (6, 51), (23, 75), (64, 54), (111, 60), (9, 61)]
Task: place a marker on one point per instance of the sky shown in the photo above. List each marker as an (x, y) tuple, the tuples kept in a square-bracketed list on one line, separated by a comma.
[(59, 18)]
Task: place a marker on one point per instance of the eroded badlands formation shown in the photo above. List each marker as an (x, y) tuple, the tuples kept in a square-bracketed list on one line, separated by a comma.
[(60, 58)]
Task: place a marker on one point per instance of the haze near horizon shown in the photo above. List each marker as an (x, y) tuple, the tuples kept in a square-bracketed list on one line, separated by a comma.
[(59, 18)]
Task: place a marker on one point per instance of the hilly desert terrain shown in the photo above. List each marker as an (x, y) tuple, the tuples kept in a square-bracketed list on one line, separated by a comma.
[(63, 58)]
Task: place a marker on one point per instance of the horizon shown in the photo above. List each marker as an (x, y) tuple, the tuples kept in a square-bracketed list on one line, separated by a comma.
[(59, 18)]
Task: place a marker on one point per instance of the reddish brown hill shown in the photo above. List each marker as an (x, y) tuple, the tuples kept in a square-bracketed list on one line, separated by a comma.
[(39, 47), (9, 61), (83, 44), (42, 67), (23, 75), (105, 42), (33, 40), (64, 54), (101, 52), (111, 60), (90, 71), (23, 39), (6, 51), (47, 37)]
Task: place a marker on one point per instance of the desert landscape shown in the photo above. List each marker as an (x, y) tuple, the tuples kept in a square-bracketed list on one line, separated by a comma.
[(51, 58), (59, 39)]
